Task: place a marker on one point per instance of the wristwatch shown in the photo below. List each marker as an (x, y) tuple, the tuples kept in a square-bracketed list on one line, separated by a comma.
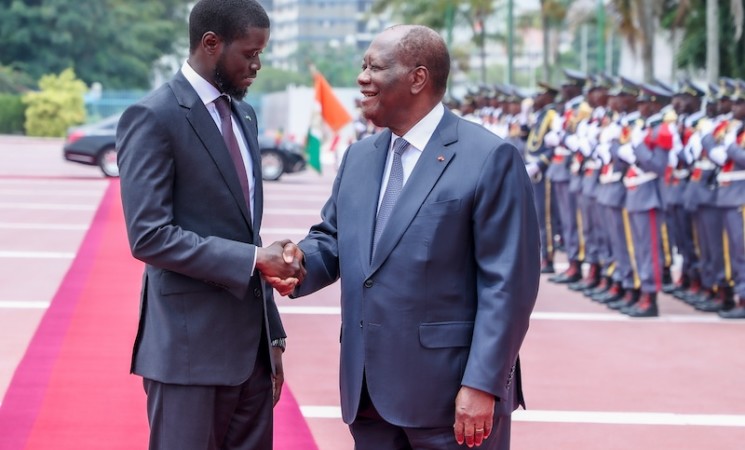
[(281, 343)]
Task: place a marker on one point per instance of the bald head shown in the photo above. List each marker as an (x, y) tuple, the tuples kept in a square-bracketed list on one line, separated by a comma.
[(421, 46)]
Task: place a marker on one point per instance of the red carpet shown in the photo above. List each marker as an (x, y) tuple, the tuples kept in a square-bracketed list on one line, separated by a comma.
[(73, 389)]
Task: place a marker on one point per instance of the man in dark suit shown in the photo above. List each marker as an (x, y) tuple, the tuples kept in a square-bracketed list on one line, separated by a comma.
[(435, 301), (210, 339)]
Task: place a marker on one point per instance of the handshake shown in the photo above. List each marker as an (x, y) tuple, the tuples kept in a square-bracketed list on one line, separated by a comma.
[(281, 265)]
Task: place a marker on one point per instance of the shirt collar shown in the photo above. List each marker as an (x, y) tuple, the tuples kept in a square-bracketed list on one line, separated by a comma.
[(420, 134), (205, 90)]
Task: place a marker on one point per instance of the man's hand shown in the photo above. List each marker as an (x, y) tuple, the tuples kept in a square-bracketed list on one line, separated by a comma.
[(291, 255), (474, 416), (278, 378), (281, 263)]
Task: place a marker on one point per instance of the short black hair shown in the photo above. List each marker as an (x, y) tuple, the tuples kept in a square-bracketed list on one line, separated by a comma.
[(422, 46), (228, 19)]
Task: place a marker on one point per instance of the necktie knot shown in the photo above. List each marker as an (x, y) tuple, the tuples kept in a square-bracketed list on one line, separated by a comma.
[(223, 106), (399, 145)]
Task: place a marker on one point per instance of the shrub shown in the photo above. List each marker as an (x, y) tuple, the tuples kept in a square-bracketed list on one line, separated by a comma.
[(11, 114), (57, 106)]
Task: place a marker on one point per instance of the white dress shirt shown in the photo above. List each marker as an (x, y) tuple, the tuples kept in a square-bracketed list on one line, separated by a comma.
[(418, 137)]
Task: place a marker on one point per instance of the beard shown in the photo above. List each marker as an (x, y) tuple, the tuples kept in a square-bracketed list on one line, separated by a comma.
[(224, 84)]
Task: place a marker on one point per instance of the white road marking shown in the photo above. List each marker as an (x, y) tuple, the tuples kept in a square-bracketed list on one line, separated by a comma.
[(539, 315), (37, 255), (43, 226), (49, 206), (20, 304), (591, 417)]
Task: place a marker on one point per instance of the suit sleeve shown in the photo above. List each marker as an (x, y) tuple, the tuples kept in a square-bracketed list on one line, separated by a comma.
[(507, 252), (146, 162)]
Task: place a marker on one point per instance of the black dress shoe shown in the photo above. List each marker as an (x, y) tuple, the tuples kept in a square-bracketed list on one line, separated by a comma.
[(734, 313), (548, 268), (645, 307)]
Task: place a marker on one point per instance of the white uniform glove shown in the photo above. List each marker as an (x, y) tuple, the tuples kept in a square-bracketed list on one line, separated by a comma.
[(718, 154), (602, 150), (572, 142), (637, 135), (672, 159), (532, 169), (730, 137), (552, 138), (626, 153)]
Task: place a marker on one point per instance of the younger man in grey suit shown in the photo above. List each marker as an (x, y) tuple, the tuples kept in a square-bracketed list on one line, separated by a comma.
[(435, 300), (192, 196)]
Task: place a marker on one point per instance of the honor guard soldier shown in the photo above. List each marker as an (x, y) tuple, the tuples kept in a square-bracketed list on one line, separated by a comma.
[(538, 154), (730, 157), (687, 105), (700, 201), (564, 185), (648, 158)]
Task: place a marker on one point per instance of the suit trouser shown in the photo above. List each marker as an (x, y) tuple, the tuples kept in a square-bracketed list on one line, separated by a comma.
[(680, 225), (734, 222), (371, 432), (708, 222), (567, 204), (212, 417), (618, 231), (646, 232), (542, 196)]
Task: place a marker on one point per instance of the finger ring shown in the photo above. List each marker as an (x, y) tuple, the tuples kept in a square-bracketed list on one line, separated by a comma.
[(479, 430)]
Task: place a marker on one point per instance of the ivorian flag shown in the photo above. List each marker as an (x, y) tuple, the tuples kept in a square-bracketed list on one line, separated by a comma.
[(328, 110)]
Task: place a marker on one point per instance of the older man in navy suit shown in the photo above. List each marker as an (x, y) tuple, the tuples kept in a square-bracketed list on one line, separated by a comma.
[(432, 229)]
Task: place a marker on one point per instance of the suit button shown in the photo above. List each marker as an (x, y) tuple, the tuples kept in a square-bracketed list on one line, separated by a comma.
[(257, 293), (368, 283), (360, 324)]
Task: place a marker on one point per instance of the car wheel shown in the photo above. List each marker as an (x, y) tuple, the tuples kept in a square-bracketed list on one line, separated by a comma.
[(107, 161), (272, 165)]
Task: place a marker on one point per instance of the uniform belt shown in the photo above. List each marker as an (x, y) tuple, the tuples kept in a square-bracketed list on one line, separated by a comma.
[(532, 159), (561, 151), (704, 164), (724, 177), (639, 179), (592, 164), (681, 174), (612, 177)]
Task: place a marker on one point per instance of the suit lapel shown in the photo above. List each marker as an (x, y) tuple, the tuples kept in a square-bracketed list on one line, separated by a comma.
[(245, 119), (372, 162), (206, 130), (433, 161)]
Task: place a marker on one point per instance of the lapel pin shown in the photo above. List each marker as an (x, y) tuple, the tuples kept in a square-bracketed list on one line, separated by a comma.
[(248, 118), (441, 158)]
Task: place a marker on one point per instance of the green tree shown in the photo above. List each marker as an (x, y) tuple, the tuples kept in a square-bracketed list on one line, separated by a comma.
[(114, 42), (436, 14), (56, 106), (720, 53)]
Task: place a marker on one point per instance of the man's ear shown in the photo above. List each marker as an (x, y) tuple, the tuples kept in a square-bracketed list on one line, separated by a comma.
[(211, 43), (420, 78)]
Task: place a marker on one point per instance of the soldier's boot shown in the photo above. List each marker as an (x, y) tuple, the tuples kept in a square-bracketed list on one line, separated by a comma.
[(738, 312), (602, 287), (615, 293), (694, 288), (547, 265), (724, 300), (590, 281), (668, 286), (572, 274), (683, 283), (703, 297), (630, 297), (645, 307)]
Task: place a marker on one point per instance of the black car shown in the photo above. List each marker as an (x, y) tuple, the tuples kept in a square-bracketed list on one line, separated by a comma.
[(95, 145)]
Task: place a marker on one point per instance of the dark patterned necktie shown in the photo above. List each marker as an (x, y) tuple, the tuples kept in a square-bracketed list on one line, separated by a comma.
[(392, 190), (223, 109)]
